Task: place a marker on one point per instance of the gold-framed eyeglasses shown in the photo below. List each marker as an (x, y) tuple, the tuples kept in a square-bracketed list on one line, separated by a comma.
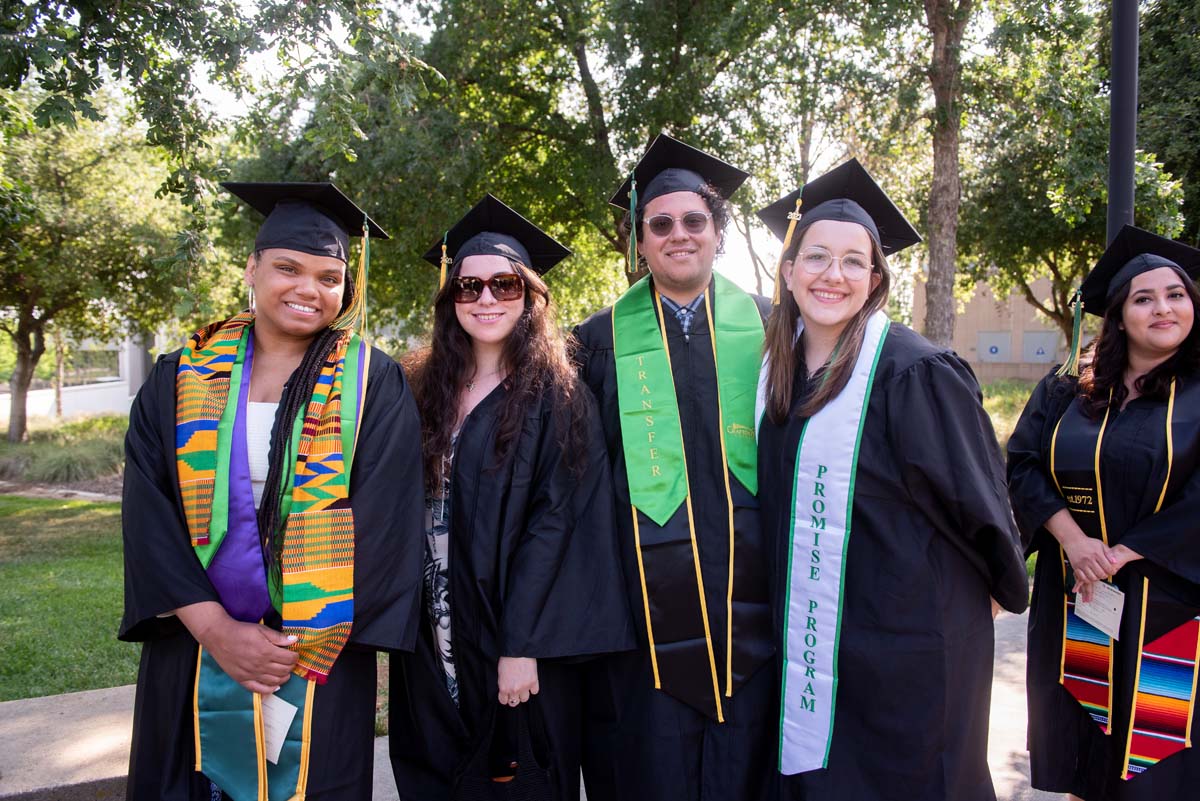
[(816, 260)]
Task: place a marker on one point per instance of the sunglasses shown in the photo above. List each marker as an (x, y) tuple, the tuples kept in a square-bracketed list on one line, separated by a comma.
[(694, 222), (504, 286)]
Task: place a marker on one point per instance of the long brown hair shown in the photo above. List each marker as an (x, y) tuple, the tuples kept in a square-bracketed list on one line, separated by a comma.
[(1104, 372), (535, 361), (780, 344)]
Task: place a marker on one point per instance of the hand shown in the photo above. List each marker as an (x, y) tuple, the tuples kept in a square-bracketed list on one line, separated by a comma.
[(1083, 590), (517, 679), (1089, 558), (995, 608), (255, 656), (1119, 556)]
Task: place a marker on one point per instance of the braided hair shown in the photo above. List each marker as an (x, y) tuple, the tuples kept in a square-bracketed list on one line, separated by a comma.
[(297, 393)]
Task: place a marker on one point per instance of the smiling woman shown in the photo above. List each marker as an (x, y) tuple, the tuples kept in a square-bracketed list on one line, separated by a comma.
[(882, 490), (1104, 480), (268, 553), (521, 553)]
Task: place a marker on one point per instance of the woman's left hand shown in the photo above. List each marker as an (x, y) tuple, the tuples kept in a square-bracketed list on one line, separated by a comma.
[(517, 679), (1119, 556)]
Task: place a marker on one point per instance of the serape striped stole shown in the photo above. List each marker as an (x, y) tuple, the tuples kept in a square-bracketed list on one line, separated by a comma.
[(1163, 689), (316, 596)]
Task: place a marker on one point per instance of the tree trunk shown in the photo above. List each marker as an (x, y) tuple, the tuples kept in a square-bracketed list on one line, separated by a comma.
[(59, 370), (30, 345), (947, 21)]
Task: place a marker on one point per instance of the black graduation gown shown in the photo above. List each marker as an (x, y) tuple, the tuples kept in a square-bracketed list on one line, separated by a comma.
[(1067, 751), (163, 573), (931, 538), (642, 742), (533, 573)]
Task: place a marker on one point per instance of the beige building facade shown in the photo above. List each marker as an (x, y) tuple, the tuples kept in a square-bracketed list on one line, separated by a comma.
[(1002, 337)]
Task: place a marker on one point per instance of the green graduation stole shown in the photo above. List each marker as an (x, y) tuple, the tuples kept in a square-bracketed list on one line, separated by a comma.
[(316, 593), (675, 605), (1163, 700)]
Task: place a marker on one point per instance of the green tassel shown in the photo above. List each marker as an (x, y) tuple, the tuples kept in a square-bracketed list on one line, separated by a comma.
[(1071, 365), (632, 266)]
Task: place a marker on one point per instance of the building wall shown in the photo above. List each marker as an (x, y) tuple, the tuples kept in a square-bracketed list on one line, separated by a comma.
[(112, 396), (1002, 338)]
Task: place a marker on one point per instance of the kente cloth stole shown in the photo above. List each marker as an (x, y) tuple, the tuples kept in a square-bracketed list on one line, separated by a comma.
[(315, 596), (1164, 685), (818, 541), (673, 594)]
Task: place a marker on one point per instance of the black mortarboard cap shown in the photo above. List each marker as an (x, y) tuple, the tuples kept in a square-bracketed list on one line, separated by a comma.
[(1132, 252), (493, 228), (847, 193), (314, 218), (669, 165)]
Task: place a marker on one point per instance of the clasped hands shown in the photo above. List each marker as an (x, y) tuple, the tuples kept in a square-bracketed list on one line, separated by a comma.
[(1094, 561), (255, 656)]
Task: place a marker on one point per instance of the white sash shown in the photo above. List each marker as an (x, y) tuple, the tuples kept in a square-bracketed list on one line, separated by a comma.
[(822, 500)]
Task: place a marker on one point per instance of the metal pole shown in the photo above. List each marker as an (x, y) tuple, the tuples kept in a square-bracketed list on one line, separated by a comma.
[(1122, 138)]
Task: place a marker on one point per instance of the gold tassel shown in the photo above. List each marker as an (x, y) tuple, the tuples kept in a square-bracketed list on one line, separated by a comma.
[(355, 315), (793, 217), (445, 261)]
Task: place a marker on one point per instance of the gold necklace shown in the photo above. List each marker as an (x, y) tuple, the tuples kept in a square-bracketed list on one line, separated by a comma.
[(472, 381)]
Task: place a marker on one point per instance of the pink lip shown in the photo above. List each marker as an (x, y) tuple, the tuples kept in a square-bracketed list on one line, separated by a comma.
[(1163, 324)]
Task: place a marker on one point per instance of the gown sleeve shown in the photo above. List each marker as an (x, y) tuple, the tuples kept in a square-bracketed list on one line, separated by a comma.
[(162, 571), (1168, 538), (951, 465), (564, 595), (387, 495), (1030, 486)]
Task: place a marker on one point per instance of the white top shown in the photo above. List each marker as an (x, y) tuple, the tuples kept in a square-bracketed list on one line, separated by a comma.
[(260, 417)]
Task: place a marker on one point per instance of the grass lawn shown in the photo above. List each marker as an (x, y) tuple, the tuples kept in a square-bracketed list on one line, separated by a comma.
[(1004, 401), (61, 598)]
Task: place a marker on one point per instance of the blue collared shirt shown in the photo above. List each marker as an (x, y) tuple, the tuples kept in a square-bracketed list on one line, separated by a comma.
[(684, 314)]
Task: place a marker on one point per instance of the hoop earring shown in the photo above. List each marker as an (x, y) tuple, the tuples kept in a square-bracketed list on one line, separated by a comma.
[(250, 299)]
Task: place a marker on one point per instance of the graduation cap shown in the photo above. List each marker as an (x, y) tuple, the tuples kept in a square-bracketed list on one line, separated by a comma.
[(492, 228), (847, 193), (313, 218), (1132, 252), (667, 166)]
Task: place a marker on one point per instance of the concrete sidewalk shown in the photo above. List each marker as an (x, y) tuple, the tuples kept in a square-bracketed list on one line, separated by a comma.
[(76, 746)]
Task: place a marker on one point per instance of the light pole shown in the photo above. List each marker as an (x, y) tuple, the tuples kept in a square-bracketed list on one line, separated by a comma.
[(1122, 137)]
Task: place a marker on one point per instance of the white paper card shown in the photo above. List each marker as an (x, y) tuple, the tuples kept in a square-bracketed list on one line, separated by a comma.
[(1104, 610), (278, 715)]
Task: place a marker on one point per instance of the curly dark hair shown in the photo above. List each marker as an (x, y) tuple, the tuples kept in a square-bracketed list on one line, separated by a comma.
[(534, 358), (1104, 371), (717, 205)]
